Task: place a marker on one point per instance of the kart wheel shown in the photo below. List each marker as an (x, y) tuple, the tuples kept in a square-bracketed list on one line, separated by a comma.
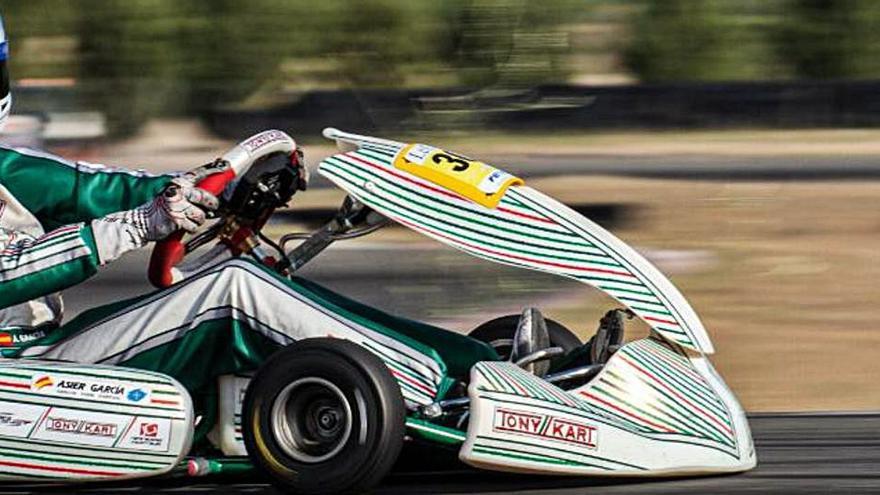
[(499, 332), (324, 416)]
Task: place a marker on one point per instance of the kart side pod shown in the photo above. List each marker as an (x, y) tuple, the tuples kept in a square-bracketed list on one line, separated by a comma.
[(652, 411), (71, 422)]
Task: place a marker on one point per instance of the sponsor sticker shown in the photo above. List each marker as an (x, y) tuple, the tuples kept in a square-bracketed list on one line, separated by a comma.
[(418, 152), (81, 427), (8, 339), (78, 388), (263, 139), (546, 427), (153, 434), (18, 420), (472, 179), (136, 395), (43, 382), (11, 419)]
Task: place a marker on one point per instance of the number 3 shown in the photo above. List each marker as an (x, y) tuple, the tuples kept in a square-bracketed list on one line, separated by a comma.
[(459, 164)]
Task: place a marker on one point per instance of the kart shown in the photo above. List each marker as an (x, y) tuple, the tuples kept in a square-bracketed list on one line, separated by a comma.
[(331, 413)]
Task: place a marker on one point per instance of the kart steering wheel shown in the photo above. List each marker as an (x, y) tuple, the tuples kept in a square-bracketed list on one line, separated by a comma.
[(168, 253)]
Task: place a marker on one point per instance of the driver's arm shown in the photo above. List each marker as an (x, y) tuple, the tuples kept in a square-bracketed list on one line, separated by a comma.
[(59, 192), (64, 197), (31, 268), (97, 214)]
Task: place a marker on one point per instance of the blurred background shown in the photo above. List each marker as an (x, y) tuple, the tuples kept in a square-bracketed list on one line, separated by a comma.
[(734, 143)]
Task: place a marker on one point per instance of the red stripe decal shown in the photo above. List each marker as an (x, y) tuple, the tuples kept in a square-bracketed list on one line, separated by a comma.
[(657, 380), (90, 472), (513, 256), (412, 382), (15, 385), (624, 411), (660, 320)]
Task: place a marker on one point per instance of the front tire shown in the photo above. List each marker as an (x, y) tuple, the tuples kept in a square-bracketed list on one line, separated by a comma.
[(324, 416)]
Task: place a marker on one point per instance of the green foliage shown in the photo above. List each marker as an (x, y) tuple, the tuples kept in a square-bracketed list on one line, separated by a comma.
[(141, 58), (826, 39), (677, 40), (511, 43), (41, 32), (128, 55)]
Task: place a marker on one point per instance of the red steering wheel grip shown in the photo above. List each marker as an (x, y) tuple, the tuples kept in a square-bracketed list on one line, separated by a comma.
[(170, 251)]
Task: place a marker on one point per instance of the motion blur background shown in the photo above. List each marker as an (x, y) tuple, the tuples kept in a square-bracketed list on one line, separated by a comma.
[(734, 143)]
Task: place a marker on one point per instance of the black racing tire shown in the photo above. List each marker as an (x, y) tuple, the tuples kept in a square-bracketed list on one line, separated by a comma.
[(323, 416), (498, 333)]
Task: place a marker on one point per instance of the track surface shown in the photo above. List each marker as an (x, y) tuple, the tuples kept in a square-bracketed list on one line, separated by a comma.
[(798, 454)]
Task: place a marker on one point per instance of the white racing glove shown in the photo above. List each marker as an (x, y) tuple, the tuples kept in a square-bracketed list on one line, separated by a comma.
[(180, 205)]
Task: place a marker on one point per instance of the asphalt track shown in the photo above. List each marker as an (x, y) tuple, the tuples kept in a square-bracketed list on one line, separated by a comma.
[(799, 454)]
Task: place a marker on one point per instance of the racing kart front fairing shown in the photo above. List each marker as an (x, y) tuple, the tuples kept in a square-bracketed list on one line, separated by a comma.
[(657, 407)]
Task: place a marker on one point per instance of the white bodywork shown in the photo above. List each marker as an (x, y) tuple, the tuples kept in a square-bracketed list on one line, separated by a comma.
[(651, 411), (89, 422), (657, 408), (527, 229)]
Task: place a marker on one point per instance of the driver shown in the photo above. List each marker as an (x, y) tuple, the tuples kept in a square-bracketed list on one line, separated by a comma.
[(61, 221)]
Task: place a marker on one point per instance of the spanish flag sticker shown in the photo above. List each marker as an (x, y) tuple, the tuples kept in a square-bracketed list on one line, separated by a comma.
[(43, 382), (6, 340)]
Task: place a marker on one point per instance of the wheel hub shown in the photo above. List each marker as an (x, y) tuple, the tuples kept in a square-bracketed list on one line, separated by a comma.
[(311, 419)]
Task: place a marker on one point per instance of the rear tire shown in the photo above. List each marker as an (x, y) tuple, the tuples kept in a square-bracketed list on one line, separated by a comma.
[(499, 332), (324, 416)]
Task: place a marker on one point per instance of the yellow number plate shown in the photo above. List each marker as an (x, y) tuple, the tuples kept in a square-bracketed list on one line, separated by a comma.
[(477, 181)]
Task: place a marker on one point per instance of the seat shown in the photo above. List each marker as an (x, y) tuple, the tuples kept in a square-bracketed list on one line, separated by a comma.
[(531, 336), (609, 335)]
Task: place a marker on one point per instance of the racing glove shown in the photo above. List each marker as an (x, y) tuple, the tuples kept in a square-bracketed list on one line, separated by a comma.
[(180, 205)]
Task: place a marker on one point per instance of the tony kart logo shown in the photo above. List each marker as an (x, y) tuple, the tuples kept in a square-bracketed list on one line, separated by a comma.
[(81, 427), (545, 426)]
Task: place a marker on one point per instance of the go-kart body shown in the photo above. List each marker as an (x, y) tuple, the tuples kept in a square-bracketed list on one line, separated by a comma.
[(71, 422), (657, 407)]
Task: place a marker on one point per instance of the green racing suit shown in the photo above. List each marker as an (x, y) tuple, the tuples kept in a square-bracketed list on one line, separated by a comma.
[(48, 242)]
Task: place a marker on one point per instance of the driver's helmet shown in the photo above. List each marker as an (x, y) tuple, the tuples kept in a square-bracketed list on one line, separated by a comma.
[(5, 93)]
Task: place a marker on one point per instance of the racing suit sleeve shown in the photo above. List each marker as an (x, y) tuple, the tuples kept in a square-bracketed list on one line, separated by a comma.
[(64, 197), (59, 192), (31, 268)]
